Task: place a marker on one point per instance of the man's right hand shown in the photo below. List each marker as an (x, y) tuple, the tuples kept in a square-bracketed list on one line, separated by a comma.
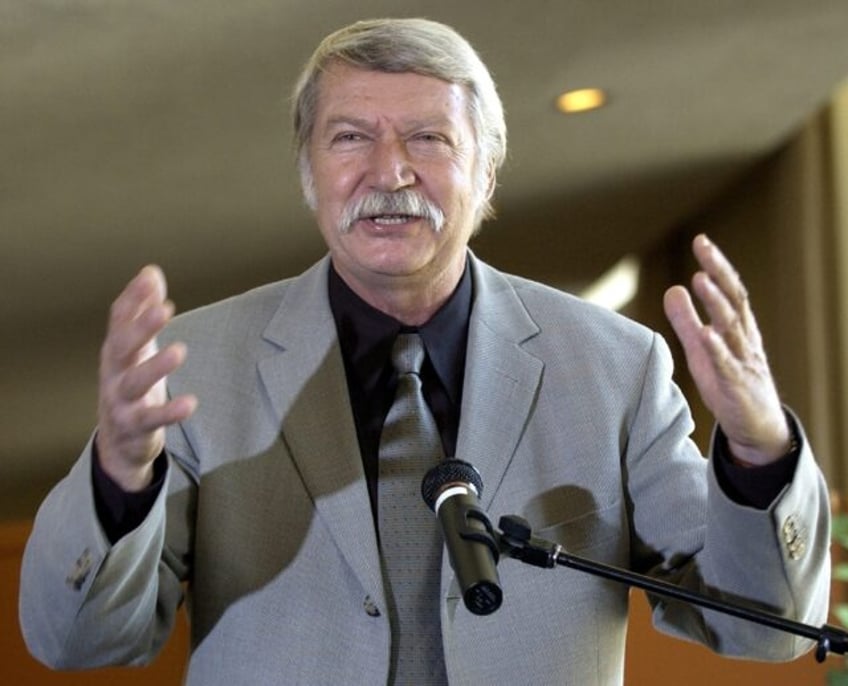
[(133, 407)]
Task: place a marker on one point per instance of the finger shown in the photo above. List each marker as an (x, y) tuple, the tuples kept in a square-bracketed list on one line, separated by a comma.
[(722, 358), (133, 341), (140, 303), (684, 318), (136, 423), (136, 382), (147, 419), (723, 316), (146, 288), (724, 275)]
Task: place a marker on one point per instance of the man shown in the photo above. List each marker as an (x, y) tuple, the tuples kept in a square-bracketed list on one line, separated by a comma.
[(241, 460)]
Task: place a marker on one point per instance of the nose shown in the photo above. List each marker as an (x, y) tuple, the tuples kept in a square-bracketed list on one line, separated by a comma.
[(391, 167)]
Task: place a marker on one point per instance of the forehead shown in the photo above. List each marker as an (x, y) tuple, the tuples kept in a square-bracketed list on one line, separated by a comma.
[(345, 90)]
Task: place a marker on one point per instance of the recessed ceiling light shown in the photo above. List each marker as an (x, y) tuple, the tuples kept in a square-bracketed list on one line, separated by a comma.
[(582, 100)]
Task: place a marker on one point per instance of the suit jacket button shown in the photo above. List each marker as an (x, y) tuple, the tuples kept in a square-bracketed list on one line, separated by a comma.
[(371, 608), (79, 573), (794, 537), (790, 529)]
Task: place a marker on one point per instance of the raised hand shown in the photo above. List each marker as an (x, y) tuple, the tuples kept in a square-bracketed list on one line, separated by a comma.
[(133, 406), (726, 358)]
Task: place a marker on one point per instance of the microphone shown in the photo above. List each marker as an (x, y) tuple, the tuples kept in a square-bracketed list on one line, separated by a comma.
[(451, 490)]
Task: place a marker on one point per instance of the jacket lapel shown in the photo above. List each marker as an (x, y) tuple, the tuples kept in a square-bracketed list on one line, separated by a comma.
[(305, 380), (306, 383), (501, 378), (500, 384)]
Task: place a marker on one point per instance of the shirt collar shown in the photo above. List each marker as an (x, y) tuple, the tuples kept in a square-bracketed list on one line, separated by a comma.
[(366, 334)]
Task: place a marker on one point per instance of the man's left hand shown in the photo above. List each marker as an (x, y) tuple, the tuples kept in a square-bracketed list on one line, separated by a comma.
[(726, 358)]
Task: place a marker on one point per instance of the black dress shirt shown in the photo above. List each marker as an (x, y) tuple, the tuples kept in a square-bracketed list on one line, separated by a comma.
[(366, 336)]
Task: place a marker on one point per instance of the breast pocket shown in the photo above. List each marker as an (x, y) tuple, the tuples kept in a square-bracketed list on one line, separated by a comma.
[(571, 517)]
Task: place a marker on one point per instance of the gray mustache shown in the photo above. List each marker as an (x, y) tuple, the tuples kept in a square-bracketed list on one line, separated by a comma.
[(406, 202)]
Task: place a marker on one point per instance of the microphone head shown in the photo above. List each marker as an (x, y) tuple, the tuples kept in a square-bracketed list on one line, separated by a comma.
[(445, 473)]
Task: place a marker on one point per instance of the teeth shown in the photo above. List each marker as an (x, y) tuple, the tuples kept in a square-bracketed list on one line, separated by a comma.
[(392, 219)]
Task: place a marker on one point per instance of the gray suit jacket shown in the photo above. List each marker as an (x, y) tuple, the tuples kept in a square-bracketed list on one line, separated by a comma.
[(570, 415)]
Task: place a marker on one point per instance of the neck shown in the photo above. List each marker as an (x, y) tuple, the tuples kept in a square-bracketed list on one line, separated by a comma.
[(411, 299)]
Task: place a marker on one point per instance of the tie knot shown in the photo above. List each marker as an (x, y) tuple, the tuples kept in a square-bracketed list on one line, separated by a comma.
[(408, 353)]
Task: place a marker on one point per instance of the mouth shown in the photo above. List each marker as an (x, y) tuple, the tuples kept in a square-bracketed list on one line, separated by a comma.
[(392, 219), (388, 213)]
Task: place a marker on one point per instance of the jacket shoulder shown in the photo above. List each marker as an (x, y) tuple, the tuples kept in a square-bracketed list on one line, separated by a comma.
[(569, 315)]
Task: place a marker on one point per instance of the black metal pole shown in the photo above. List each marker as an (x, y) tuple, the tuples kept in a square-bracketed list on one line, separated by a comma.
[(516, 541)]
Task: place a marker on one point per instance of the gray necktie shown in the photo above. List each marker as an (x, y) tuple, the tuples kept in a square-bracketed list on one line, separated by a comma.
[(410, 542)]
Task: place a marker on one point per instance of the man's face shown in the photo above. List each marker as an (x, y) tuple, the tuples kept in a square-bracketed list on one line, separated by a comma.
[(383, 133)]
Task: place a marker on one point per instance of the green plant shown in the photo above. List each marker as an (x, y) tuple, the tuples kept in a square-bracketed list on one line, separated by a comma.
[(839, 575), (839, 571)]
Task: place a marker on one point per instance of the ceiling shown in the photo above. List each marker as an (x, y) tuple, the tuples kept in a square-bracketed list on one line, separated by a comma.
[(158, 131)]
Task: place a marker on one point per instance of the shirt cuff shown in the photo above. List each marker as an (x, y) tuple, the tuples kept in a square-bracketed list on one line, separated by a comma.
[(754, 486), (121, 511)]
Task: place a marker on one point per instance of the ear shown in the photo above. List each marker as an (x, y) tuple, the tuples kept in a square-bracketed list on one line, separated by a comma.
[(485, 209), (307, 181), (491, 181), (487, 188)]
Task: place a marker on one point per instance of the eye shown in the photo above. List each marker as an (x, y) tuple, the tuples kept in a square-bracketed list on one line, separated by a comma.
[(348, 137), (430, 137)]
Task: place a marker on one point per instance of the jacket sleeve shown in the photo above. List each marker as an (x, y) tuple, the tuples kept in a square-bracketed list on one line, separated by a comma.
[(87, 603), (774, 559)]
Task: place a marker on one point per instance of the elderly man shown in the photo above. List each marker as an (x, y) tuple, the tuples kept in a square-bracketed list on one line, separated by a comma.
[(244, 463)]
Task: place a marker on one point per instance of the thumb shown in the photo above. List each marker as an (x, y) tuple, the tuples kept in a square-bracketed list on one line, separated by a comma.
[(682, 315)]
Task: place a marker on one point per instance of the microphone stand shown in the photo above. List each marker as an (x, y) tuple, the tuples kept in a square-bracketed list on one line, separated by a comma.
[(516, 540)]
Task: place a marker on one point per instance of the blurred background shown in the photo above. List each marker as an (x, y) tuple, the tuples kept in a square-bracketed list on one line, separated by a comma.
[(154, 131)]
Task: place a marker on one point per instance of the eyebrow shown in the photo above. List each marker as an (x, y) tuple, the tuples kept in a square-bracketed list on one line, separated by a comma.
[(343, 120), (368, 125)]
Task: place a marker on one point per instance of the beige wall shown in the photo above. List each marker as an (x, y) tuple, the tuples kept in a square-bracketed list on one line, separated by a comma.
[(838, 131)]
